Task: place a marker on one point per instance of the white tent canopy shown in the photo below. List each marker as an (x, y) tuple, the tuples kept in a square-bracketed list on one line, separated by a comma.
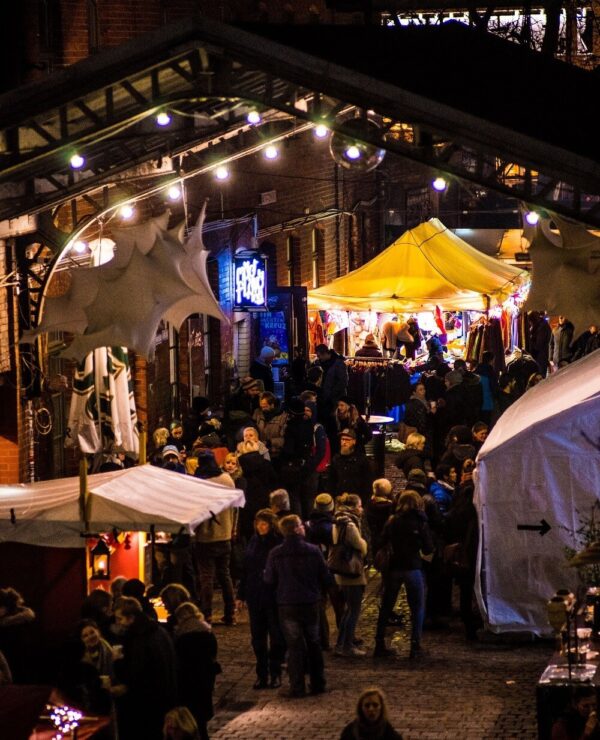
[(134, 499), (540, 462)]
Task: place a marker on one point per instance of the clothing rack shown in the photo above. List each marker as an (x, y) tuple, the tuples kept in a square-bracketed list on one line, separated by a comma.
[(377, 384)]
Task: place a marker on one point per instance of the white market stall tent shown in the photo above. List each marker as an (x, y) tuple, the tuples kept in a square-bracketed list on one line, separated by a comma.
[(541, 462), (134, 499)]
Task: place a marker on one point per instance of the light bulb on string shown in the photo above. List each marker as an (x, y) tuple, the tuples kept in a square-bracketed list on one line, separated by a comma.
[(222, 173), (77, 161), (532, 217), (253, 117), (321, 131), (79, 246), (352, 152), (271, 152), (174, 192), (126, 212), (163, 118), (439, 184)]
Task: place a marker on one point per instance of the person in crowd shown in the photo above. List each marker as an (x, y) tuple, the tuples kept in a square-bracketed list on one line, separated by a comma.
[(137, 589), (208, 469), (15, 627), (116, 588), (417, 338), (472, 392), (489, 386), (97, 651), (319, 532), (335, 377), (419, 413), (260, 368), (172, 596), (194, 423), (506, 393), (98, 606), (197, 667), (347, 416), (350, 471), (442, 489), (250, 434), (450, 409), (313, 382), (580, 720), (435, 349), (540, 335), (371, 719), (414, 455), (379, 510), (560, 343), (297, 571), (279, 502), (320, 455), (171, 457), (260, 481), (159, 440), (479, 433), (521, 368), (409, 537), (78, 682), (462, 530), (370, 348), (267, 640), (213, 551), (297, 450), (231, 466), (404, 339), (533, 380), (180, 725), (270, 421), (148, 670), (459, 447), (346, 530), (176, 435), (240, 407)]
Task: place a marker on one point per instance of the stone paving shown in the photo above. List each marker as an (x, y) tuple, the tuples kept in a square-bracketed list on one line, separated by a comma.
[(461, 690)]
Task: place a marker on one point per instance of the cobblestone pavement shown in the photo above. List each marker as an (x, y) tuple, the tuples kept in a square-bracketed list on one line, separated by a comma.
[(463, 691)]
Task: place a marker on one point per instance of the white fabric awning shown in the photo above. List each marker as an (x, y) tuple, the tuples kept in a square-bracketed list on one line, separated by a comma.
[(134, 499)]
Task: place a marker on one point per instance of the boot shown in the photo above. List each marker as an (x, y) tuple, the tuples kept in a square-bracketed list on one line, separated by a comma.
[(381, 651), (416, 651)]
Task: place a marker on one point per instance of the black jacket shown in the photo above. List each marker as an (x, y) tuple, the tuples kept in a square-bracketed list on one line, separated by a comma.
[(196, 669), (261, 371), (252, 587), (260, 481), (351, 474), (409, 535)]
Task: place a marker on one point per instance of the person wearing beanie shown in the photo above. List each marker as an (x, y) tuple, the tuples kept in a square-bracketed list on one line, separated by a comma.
[(370, 348), (260, 368), (171, 459)]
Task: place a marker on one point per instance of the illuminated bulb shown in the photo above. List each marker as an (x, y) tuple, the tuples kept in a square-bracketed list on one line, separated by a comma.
[(127, 212), (532, 217), (222, 173), (353, 152), (174, 192), (439, 184), (253, 117), (163, 119), (321, 131), (271, 152), (79, 246), (77, 161)]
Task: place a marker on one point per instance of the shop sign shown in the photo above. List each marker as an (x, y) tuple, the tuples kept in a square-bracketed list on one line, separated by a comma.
[(249, 282)]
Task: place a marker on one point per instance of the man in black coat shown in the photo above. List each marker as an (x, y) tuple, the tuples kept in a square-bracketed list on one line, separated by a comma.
[(148, 670), (350, 471), (260, 368)]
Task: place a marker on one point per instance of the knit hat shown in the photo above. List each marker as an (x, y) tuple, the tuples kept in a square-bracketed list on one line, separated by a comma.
[(296, 407), (323, 502), (348, 433), (454, 377), (248, 383), (170, 450), (266, 353), (417, 475)]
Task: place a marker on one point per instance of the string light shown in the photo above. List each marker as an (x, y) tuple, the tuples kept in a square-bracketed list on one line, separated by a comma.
[(174, 192), (77, 161), (439, 184), (271, 152), (321, 131), (222, 173), (353, 152), (127, 211), (79, 246), (163, 118), (64, 719), (532, 217), (253, 117)]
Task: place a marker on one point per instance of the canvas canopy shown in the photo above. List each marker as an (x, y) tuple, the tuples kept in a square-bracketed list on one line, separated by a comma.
[(427, 266), (540, 462), (134, 499)]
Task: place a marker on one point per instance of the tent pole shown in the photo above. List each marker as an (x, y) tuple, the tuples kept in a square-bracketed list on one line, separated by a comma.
[(142, 452), (83, 493)]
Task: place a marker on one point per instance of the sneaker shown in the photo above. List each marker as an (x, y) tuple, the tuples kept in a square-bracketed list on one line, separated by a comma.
[(355, 652)]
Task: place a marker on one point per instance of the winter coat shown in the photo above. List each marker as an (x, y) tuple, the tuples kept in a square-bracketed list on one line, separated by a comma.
[(351, 474), (271, 429), (462, 523), (218, 528), (239, 408), (196, 652), (297, 571), (260, 481), (379, 510), (252, 587), (416, 415), (540, 335), (409, 536), (335, 379), (409, 459), (368, 350), (473, 396), (319, 528), (489, 387), (456, 455), (261, 371), (442, 492), (352, 538), (560, 343), (354, 731), (298, 439)]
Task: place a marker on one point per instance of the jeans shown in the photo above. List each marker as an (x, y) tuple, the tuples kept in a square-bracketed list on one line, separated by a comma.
[(214, 558), (415, 594), (267, 641), (352, 604), (300, 627)]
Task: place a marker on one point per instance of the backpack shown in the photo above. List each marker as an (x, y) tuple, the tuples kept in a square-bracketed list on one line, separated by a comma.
[(324, 462), (344, 560)]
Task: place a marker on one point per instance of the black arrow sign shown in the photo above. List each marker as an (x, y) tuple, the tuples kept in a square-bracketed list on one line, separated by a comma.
[(543, 527)]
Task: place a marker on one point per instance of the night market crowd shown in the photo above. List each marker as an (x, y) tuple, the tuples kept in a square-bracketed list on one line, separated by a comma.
[(316, 526)]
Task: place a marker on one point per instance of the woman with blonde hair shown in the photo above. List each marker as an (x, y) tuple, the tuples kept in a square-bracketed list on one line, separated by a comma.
[(414, 455), (180, 725), (408, 536), (372, 722)]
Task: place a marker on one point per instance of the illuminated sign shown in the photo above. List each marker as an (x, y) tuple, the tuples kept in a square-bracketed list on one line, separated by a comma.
[(249, 282)]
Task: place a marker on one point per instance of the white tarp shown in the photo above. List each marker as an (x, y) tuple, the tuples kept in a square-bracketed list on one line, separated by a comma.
[(47, 513), (540, 462)]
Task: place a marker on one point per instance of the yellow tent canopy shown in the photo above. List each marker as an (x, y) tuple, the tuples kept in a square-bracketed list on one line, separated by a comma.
[(427, 266)]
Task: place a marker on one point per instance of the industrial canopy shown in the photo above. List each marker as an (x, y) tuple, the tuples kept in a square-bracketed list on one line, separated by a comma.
[(427, 266), (48, 513)]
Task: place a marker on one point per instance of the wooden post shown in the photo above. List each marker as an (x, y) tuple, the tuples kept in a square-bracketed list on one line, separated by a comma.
[(83, 494), (142, 453)]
